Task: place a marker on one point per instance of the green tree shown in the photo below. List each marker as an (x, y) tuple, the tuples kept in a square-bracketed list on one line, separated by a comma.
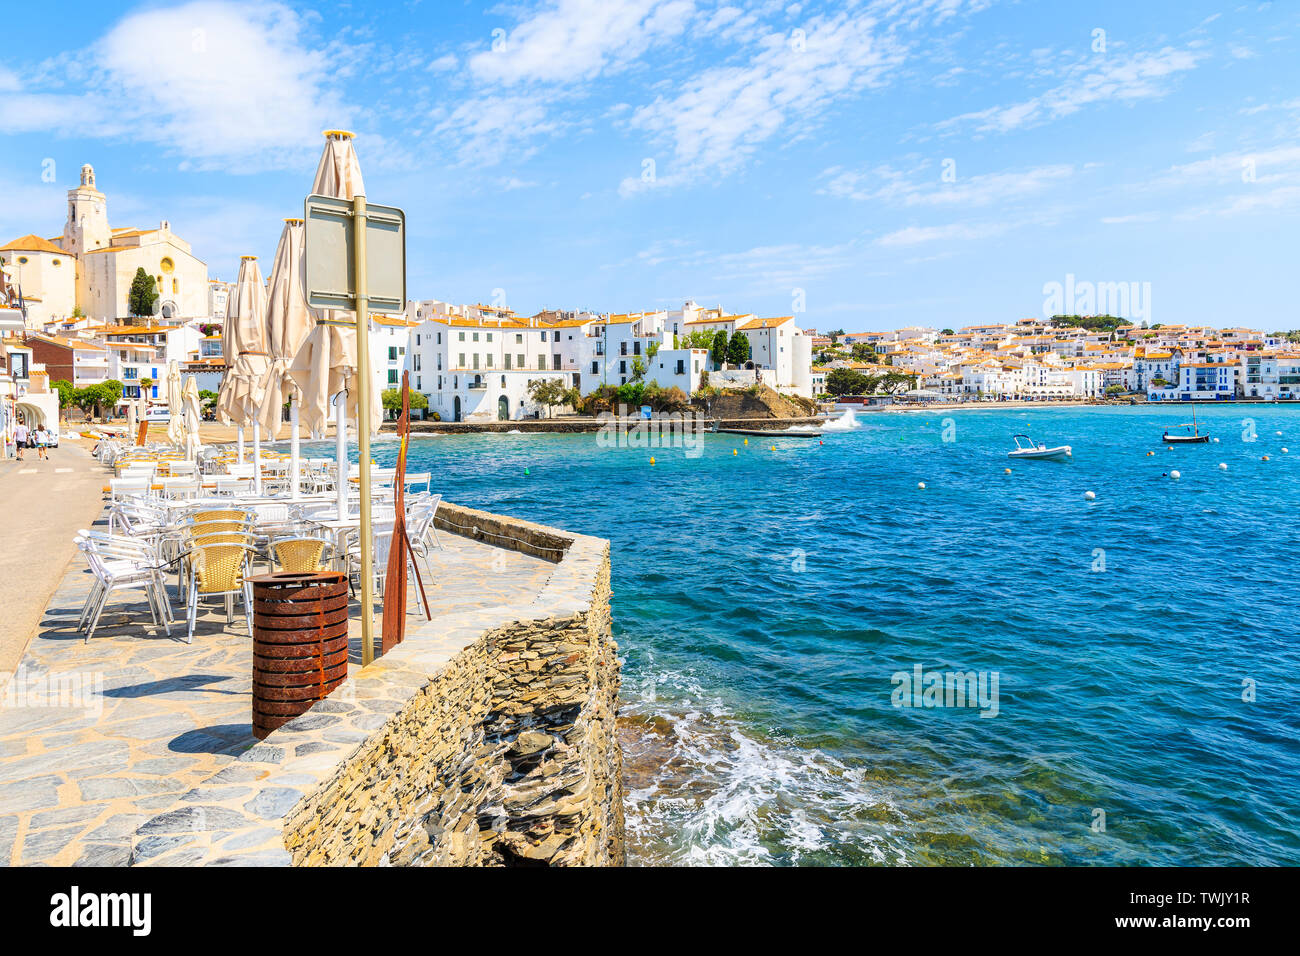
[(864, 352), (947, 332), (699, 339), (77, 313), (651, 351), (738, 348), (67, 393), (718, 348), (549, 392), (847, 381), (113, 392), (835, 336), (392, 401), (638, 369), (143, 296), (207, 398)]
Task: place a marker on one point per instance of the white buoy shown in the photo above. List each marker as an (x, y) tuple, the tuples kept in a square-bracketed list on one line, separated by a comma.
[(1216, 441), (1089, 495), (1278, 434), (1285, 450), (920, 484), (1223, 466), (1175, 475), (1169, 448)]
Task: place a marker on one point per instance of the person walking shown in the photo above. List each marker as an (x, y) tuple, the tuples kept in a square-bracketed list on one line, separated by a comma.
[(20, 437), (42, 442)]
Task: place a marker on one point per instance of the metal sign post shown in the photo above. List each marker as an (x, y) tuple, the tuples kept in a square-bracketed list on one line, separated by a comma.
[(354, 254)]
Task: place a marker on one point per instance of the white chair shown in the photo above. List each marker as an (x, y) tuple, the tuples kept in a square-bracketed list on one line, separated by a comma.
[(419, 478), (234, 486), (121, 564), (240, 471), (180, 487), (182, 469), (121, 487)]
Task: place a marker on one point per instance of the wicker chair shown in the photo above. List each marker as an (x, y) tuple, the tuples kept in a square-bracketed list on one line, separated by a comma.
[(299, 555), (217, 570)]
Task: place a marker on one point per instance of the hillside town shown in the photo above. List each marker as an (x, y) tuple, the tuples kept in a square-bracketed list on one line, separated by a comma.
[(72, 320)]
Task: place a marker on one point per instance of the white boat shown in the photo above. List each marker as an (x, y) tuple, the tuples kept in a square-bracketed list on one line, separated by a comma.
[(1027, 448)]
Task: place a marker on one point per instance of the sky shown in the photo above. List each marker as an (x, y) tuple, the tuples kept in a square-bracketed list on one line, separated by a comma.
[(863, 166)]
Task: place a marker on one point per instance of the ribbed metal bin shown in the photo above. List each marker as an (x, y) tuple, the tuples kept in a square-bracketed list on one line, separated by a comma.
[(300, 644)]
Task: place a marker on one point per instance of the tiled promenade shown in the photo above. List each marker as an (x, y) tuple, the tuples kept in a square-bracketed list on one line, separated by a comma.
[(97, 738)]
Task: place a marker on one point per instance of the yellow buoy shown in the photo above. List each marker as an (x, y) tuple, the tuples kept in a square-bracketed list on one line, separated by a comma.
[(746, 441), (652, 460), (1006, 471), (773, 448), (734, 452)]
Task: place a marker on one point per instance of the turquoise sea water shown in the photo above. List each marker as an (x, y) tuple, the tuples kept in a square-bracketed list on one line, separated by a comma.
[(763, 600)]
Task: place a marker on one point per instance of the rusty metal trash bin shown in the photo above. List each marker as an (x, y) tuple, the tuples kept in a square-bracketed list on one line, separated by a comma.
[(300, 644)]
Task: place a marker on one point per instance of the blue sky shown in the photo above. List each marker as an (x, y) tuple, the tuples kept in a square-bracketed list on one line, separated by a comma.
[(875, 164)]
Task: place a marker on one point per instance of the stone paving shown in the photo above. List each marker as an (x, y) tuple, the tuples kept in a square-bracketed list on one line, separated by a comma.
[(98, 737)]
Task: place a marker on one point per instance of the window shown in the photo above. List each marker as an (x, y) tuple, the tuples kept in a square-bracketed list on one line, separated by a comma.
[(489, 336), (417, 336), (418, 386), (392, 353), (541, 363), (392, 376), (622, 348), (622, 367), (462, 336), (475, 336), (439, 342), (503, 381), (476, 360), (417, 365), (488, 360), (519, 337), (461, 363), (681, 366), (507, 361), (636, 348), (555, 362), (556, 336), (595, 368), (522, 363), (131, 373)]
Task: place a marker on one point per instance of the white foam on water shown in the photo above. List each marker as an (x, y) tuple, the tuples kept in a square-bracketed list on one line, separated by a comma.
[(845, 423), (708, 791)]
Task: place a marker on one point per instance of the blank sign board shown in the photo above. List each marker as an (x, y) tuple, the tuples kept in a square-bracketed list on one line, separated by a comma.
[(328, 260)]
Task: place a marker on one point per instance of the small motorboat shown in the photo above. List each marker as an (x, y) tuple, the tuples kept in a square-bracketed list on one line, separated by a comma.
[(1189, 438), (1027, 448)]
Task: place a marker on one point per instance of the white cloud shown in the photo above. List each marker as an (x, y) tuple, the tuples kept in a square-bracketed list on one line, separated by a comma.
[(223, 84), (490, 129), (575, 40), (719, 120), (885, 184), (915, 235), (1116, 78)]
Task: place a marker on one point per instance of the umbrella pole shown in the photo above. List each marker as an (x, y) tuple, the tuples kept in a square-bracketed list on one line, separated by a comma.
[(257, 457), (340, 456), (239, 442), (293, 445), (364, 385)]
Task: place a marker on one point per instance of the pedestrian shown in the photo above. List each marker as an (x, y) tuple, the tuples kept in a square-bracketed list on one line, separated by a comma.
[(20, 437), (42, 442)]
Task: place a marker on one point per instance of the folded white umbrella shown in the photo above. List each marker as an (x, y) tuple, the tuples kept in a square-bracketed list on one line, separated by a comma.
[(326, 362), (175, 427), (288, 322), (244, 346), (191, 417)]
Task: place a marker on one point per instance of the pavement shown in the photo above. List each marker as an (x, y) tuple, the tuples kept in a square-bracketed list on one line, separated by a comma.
[(98, 737), (43, 504)]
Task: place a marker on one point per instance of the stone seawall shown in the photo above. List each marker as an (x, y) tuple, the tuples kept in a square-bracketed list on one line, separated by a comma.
[(485, 738)]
